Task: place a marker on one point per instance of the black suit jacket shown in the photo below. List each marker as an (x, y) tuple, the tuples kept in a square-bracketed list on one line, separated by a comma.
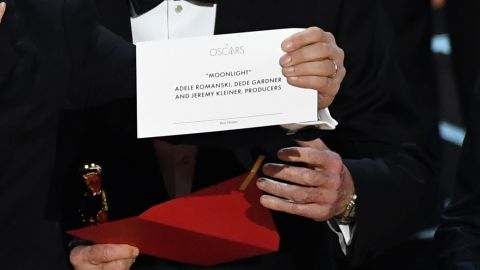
[(463, 28), (458, 237), (52, 52), (412, 25), (393, 176)]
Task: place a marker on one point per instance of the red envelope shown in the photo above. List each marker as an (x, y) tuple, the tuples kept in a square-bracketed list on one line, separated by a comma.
[(216, 225)]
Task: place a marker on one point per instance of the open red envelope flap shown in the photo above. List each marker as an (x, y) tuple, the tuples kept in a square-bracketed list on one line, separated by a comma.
[(215, 225)]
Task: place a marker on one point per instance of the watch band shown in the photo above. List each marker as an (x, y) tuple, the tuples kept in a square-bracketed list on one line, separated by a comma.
[(349, 215)]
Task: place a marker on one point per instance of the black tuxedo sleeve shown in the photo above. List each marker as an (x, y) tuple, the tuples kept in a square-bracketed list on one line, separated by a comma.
[(392, 174), (459, 234), (103, 64)]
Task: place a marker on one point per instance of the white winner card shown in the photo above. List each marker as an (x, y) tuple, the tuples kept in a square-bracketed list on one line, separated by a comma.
[(217, 83)]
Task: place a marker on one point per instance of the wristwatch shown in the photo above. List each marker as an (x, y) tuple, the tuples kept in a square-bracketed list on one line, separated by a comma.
[(349, 215)]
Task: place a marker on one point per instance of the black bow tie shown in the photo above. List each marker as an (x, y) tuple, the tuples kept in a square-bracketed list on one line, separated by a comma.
[(142, 6)]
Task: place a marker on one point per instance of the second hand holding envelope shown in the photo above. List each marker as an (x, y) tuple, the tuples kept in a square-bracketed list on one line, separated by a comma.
[(216, 225)]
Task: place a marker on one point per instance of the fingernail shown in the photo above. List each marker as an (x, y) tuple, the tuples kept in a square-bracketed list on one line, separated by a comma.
[(287, 45), (265, 168), (268, 166), (288, 152), (260, 183), (264, 198), (293, 79), (271, 169), (136, 252), (285, 59), (290, 70)]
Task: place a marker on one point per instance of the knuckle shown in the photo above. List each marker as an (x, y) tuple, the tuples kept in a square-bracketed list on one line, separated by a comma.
[(332, 50), (328, 47), (274, 188), (310, 154), (337, 163), (335, 182), (94, 254), (329, 35), (311, 178), (314, 28), (314, 195), (300, 196), (325, 49), (319, 33), (294, 209), (341, 54), (289, 172), (343, 73), (336, 160), (283, 172)]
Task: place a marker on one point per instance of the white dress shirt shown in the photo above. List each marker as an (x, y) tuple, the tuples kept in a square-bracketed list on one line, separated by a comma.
[(174, 19)]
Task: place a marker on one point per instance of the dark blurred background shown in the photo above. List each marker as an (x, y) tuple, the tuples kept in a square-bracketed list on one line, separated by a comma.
[(420, 252)]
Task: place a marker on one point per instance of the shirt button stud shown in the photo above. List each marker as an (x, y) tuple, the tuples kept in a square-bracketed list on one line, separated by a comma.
[(178, 9)]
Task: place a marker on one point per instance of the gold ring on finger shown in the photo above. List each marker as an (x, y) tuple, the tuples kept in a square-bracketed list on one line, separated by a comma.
[(336, 70)]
